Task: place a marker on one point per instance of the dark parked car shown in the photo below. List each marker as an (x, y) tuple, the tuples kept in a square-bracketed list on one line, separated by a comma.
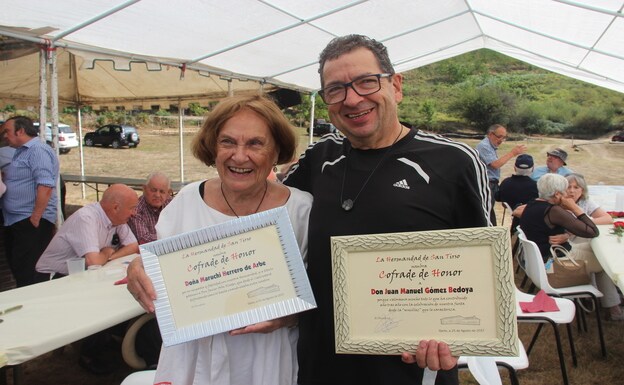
[(113, 135), (618, 137), (321, 129)]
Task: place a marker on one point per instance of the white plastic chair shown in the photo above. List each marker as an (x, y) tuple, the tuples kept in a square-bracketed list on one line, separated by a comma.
[(128, 345), (506, 208), (565, 316), (145, 377), (485, 369), (536, 271)]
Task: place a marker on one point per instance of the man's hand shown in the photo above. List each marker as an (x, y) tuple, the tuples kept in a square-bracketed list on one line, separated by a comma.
[(35, 220), (431, 354), (519, 149), (140, 285)]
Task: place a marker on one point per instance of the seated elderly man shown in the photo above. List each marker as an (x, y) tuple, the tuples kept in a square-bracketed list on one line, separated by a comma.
[(555, 164), (156, 195), (519, 188), (98, 232)]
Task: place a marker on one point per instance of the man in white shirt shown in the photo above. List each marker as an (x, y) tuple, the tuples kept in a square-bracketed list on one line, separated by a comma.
[(98, 232)]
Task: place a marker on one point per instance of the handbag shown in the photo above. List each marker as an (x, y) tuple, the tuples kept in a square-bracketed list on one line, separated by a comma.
[(565, 271)]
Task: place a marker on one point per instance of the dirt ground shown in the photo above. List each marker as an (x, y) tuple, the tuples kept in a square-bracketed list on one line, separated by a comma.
[(600, 161)]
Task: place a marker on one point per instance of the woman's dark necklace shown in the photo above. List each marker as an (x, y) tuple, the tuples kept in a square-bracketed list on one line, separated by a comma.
[(266, 187), (347, 204)]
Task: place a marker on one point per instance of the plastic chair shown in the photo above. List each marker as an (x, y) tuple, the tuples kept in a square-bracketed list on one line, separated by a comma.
[(535, 270), (485, 369), (145, 377), (128, 345), (565, 315)]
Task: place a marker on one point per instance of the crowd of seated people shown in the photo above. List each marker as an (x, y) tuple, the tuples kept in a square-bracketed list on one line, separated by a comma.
[(552, 218), (103, 231)]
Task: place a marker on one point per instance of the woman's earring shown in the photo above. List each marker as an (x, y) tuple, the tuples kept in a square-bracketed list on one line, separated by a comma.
[(275, 167)]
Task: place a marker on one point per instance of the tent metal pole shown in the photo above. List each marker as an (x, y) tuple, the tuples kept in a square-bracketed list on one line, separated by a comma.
[(82, 171), (181, 133), (43, 91), (312, 104), (55, 120), (95, 19), (74, 72)]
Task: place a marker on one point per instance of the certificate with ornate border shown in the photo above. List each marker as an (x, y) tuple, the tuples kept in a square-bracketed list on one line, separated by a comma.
[(456, 286), (227, 276)]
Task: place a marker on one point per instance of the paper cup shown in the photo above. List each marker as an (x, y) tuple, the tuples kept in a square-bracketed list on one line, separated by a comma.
[(93, 271), (75, 265)]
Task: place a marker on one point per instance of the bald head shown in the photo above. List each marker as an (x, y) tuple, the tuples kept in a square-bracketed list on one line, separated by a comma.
[(119, 203)]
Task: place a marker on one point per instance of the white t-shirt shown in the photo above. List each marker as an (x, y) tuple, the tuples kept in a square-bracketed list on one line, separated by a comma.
[(222, 359), (588, 206)]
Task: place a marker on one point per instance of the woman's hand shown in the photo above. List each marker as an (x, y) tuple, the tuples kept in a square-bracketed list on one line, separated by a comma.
[(140, 285), (518, 211), (431, 354), (558, 239), (267, 326), (570, 205)]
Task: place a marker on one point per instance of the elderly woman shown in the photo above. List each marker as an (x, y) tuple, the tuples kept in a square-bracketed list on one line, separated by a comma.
[(549, 215), (577, 190), (244, 137)]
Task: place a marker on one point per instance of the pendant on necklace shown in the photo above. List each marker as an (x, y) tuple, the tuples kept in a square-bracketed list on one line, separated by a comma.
[(347, 205)]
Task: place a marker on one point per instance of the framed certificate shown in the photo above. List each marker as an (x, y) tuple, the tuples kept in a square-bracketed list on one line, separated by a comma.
[(227, 276), (456, 286)]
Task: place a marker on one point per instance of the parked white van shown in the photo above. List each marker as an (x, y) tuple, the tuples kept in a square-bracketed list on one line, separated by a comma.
[(66, 139)]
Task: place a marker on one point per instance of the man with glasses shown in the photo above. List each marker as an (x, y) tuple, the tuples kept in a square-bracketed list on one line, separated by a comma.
[(380, 177), (486, 148)]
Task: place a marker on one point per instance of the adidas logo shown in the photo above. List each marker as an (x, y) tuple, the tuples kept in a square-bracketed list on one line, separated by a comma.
[(402, 184)]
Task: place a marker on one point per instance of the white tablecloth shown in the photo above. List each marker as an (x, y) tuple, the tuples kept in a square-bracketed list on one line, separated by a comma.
[(58, 312), (610, 254), (607, 196)]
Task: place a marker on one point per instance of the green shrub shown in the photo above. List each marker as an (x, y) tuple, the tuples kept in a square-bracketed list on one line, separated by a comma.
[(591, 122), (196, 110), (482, 107)]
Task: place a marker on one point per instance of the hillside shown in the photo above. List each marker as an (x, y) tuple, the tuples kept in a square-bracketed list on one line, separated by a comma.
[(477, 89)]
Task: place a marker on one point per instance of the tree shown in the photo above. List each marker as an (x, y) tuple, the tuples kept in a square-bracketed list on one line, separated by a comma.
[(484, 106)]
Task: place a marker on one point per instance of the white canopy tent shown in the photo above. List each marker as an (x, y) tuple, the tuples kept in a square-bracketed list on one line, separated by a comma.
[(278, 41)]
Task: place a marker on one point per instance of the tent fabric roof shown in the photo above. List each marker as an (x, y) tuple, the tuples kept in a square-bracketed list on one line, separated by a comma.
[(114, 82), (278, 41)]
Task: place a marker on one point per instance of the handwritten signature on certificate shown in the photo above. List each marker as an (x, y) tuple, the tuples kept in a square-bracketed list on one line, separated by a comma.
[(385, 324)]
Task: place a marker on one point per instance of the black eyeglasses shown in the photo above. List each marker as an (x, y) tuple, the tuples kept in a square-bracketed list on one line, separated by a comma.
[(115, 240), (500, 137), (364, 85)]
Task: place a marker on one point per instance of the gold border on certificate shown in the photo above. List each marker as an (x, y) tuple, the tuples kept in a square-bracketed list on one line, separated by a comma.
[(227, 276), (456, 286)]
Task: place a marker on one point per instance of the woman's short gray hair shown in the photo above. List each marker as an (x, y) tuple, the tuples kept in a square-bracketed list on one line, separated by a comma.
[(580, 181), (550, 184)]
